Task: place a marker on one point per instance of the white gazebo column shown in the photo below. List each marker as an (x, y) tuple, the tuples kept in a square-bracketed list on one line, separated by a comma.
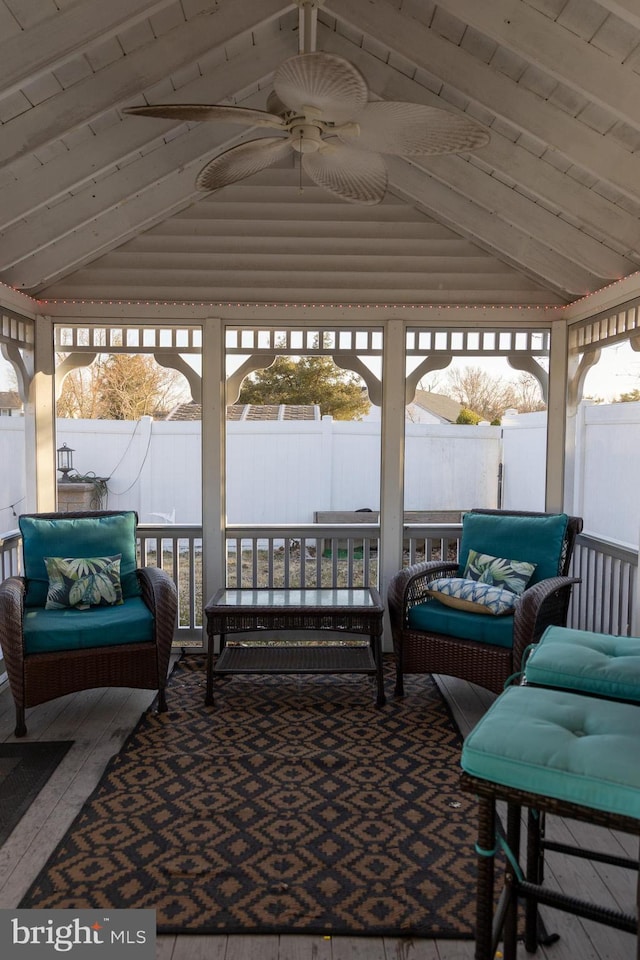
[(213, 458), (40, 424), (392, 459), (557, 494)]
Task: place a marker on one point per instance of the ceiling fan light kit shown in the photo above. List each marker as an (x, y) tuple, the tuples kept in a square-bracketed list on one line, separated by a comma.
[(321, 110)]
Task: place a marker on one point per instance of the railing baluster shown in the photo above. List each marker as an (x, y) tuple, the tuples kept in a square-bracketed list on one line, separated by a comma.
[(254, 561), (288, 547), (604, 600), (319, 549)]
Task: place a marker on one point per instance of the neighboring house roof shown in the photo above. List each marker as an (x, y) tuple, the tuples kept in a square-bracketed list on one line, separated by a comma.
[(251, 411), (10, 400), (445, 408)]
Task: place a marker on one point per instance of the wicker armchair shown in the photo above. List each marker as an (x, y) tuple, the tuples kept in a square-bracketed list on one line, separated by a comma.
[(134, 637), (486, 663)]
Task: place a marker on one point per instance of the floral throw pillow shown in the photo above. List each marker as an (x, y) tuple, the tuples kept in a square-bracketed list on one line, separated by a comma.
[(514, 575), (83, 582)]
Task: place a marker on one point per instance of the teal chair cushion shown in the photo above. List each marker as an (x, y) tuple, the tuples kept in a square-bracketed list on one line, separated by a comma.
[(534, 539), (48, 630), (597, 663), (435, 617), (562, 745), (77, 537)]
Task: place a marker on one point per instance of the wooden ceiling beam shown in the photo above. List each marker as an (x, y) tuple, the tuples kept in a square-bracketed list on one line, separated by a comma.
[(548, 45), (513, 245), (120, 142), (76, 222), (504, 203), (603, 220), (114, 226), (301, 297), (124, 80), (52, 42), (626, 10), (485, 86)]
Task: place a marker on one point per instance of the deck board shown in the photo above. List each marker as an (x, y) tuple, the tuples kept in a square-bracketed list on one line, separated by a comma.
[(298, 947), (100, 720)]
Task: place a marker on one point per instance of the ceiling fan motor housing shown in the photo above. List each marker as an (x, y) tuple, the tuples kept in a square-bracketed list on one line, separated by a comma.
[(306, 137)]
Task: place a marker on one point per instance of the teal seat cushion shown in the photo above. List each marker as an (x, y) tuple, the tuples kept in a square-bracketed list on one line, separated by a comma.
[(595, 663), (435, 617), (533, 539), (566, 746), (77, 537), (71, 629)]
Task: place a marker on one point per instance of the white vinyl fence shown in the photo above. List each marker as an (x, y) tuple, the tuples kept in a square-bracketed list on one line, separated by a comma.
[(607, 470), (283, 471), (277, 471)]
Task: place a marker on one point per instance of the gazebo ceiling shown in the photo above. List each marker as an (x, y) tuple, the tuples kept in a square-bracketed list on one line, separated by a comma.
[(95, 204)]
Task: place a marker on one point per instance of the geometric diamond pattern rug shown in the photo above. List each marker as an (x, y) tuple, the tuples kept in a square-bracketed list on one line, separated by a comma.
[(294, 805)]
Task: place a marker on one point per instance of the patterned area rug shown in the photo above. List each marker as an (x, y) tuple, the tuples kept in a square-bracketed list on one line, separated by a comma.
[(294, 805)]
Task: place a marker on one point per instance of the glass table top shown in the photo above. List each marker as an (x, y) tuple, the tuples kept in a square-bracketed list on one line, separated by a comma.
[(307, 597)]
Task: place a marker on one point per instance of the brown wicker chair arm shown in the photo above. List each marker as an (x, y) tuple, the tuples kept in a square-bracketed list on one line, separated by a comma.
[(161, 596), (409, 587), (541, 606), (12, 592), (156, 585)]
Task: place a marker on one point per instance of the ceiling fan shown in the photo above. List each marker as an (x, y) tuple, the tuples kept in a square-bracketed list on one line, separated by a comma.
[(320, 108)]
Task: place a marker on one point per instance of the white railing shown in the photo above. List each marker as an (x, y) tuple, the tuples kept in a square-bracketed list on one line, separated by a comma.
[(10, 555), (178, 550), (605, 600), (431, 541), (303, 555), (330, 555)]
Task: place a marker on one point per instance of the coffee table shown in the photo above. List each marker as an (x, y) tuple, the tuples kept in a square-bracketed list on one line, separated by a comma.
[(344, 611)]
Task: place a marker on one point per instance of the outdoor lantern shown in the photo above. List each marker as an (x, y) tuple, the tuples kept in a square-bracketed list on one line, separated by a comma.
[(65, 460)]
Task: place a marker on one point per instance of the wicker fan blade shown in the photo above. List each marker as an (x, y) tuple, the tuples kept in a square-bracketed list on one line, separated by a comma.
[(241, 162), (411, 129), (204, 111), (351, 174), (329, 84)]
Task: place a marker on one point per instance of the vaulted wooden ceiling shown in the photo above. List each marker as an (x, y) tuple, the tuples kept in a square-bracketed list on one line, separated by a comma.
[(97, 204)]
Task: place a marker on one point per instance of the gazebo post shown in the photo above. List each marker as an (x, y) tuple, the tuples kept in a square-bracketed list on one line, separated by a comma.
[(40, 423)]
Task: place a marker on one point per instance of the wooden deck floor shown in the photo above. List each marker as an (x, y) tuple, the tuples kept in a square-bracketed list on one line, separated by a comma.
[(100, 720)]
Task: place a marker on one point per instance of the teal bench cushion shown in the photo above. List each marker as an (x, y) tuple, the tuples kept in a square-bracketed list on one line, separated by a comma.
[(534, 539), (592, 662), (566, 746), (435, 617), (71, 629), (77, 537)]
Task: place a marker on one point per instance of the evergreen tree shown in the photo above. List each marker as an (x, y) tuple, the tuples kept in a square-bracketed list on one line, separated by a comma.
[(309, 380)]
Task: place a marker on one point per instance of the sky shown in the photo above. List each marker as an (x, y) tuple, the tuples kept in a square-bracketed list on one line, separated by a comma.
[(617, 371)]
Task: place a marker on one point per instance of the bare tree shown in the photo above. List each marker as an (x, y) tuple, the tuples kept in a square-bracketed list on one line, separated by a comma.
[(79, 396), (120, 387), (528, 394), (480, 392)]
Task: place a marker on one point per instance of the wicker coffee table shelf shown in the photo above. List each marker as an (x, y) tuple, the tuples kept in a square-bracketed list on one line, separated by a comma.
[(295, 659), (342, 611)]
